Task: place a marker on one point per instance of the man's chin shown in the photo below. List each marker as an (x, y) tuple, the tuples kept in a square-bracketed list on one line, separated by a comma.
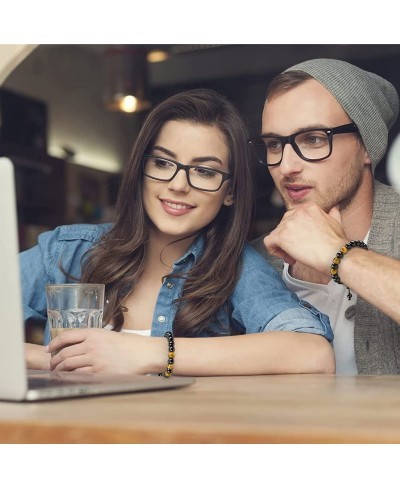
[(291, 205)]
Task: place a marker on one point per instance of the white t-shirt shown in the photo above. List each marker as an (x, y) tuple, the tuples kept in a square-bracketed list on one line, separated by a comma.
[(332, 300), (144, 332)]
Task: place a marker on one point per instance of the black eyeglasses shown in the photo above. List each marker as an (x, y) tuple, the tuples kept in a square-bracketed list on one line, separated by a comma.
[(311, 144), (199, 177)]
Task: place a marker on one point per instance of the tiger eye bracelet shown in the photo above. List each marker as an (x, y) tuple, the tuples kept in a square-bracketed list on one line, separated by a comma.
[(336, 261), (171, 355)]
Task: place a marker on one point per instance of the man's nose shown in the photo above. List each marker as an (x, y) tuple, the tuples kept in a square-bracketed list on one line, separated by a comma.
[(291, 161)]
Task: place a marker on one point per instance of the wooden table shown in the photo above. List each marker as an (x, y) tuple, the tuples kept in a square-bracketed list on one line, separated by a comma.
[(257, 409)]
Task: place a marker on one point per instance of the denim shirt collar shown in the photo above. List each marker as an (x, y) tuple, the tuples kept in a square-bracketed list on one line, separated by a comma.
[(194, 252)]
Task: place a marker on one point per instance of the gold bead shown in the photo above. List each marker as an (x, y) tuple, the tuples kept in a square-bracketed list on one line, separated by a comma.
[(171, 355), (167, 374), (336, 260), (333, 272), (344, 249)]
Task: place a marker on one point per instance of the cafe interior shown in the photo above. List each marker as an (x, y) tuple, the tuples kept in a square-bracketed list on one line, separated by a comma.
[(75, 110), (69, 117)]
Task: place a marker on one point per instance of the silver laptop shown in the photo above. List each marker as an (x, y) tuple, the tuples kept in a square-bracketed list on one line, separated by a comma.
[(16, 382)]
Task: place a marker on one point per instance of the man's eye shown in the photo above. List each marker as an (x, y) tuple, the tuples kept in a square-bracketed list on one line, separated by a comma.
[(315, 139), (273, 145), (312, 140)]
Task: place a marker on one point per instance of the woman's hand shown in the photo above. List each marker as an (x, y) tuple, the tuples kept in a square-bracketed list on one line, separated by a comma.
[(105, 351), (36, 357)]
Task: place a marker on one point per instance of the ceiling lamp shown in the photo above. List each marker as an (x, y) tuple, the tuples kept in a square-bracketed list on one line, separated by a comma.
[(126, 80), (157, 55)]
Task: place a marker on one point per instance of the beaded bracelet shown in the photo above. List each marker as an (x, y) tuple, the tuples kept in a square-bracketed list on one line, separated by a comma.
[(171, 355), (339, 255)]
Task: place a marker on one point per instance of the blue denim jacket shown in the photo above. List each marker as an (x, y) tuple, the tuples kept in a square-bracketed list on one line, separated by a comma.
[(260, 301)]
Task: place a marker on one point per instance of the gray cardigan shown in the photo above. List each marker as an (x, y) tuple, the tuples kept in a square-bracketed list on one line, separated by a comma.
[(376, 336)]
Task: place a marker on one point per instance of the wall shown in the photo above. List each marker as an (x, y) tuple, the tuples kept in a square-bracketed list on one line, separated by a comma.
[(11, 55), (69, 80)]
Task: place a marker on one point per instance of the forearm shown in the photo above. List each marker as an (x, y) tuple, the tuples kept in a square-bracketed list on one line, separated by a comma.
[(36, 357), (102, 351), (374, 277), (263, 353)]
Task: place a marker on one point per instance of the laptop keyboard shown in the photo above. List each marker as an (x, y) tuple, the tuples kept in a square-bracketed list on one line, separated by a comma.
[(49, 382), (42, 382)]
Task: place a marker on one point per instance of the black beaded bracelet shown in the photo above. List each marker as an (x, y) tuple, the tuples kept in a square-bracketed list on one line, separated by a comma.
[(339, 255), (171, 355)]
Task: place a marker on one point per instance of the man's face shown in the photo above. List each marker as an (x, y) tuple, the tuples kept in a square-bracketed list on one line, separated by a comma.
[(333, 181)]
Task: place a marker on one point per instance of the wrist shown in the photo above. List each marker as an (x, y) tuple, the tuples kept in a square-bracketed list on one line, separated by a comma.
[(171, 355), (342, 252), (155, 354)]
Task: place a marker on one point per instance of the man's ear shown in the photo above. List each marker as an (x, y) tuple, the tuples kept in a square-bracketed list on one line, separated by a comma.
[(367, 159), (228, 200)]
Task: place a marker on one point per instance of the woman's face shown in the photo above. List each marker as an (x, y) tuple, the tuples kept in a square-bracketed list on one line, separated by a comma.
[(175, 208)]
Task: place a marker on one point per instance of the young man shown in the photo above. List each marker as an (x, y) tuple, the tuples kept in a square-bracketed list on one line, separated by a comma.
[(324, 129)]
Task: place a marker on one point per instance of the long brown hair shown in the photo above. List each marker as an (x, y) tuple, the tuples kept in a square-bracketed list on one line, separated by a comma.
[(118, 260)]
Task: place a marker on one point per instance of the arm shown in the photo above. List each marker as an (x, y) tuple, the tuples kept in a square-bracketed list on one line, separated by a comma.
[(40, 265), (374, 277), (102, 351), (283, 335), (312, 237), (34, 277)]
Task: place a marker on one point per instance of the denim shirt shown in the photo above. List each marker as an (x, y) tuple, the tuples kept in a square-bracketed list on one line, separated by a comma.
[(260, 301)]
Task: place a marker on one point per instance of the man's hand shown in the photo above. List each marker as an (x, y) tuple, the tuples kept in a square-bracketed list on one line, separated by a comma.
[(309, 236)]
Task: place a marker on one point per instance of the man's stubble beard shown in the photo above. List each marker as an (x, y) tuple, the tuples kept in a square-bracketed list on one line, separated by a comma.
[(342, 194)]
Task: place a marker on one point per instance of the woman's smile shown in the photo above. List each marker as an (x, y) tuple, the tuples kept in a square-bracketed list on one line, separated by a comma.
[(176, 208)]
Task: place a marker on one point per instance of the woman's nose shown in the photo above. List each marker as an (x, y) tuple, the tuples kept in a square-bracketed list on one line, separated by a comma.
[(179, 182)]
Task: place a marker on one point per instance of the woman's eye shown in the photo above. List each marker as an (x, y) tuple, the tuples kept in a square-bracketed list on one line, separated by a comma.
[(205, 172), (162, 163)]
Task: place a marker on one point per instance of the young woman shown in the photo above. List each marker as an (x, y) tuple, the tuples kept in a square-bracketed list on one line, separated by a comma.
[(175, 261)]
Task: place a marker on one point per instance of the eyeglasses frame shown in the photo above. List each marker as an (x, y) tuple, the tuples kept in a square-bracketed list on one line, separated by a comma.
[(185, 168), (341, 129)]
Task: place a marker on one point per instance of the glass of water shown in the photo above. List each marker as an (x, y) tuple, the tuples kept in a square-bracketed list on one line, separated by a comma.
[(73, 306)]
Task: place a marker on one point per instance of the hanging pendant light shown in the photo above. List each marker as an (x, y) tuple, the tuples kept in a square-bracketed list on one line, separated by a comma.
[(126, 79)]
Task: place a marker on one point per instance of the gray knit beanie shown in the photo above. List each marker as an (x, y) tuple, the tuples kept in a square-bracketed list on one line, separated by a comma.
[(370, 101)]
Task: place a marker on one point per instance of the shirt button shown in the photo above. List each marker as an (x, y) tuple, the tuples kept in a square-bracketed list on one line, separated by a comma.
[(170, 285), (161, 319), (350, 312)]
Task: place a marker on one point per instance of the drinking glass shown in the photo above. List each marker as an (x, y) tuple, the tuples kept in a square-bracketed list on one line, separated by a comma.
[(73, 306)]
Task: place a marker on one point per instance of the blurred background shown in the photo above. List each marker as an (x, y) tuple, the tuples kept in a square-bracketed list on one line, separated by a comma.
[(69, 115)]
